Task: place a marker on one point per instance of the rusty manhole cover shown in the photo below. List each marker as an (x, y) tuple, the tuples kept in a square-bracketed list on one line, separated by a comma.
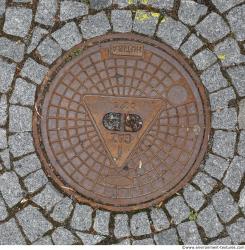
[(123, 122)]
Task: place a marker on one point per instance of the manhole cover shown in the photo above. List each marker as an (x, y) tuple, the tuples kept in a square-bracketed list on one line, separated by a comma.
[(123, 122)]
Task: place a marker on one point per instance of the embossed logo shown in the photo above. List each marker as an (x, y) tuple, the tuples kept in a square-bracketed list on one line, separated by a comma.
[(127, 49)]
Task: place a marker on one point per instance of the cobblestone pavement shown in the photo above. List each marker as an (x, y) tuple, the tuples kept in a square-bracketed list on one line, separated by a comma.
[(211, 36)]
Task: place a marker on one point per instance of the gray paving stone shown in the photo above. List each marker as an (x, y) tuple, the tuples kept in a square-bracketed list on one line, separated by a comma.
[(33, 223), (46, 240), (22, 1), (62, 236), (204, 182), (17, 21), (124, 3), (20, 119), (235, 173), (26, 165), (224, 119), (236, 18), (209, 221), (225, 205), (68, 36), (121, 224), (159, 219), (145, 22), (90, 239), (189, 234), (223, 5), (95, 25), (2, 7), (147, 241), (35, 181), (140, 224), (241, 144), (100, 4), (237, 75), (229, 52), (204, 59), (193, 197), (82, 217), (221, 241), (62, 210), (213, 27), (49, 50), (12, 50), (190, 12), (124, 242), (220, 99), (213, 79), (241, 116), (46, 11), (3, 139), (161, 4), (37, 34), (167, 237), (121, 20), (10, 234), (4, 156), (7, 72), (178, 209), (224, 143), (34, 71), (24, 93), (241, 202), (237, 231), (3, 210), (10, 188), (70, 10), (191, 45), (3, 110), (172, 32), (216, 166), (101, 222), (48, 197)]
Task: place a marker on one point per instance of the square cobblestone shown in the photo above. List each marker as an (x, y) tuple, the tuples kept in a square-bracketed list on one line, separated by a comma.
[(3, 110), (100, 4), (145, 22), (209, 221), (224, 143), (204, 59), (225, 205), (159, 218), (17, 21), (21, 144), (90, 239), (241, 144), (190, 12), (191, 45), (223, 5), (46, 240), (241, 117), (24, 93), (3, 210), (46, 11), (204, 182), (4, 156), (10, 188), (213, 27), (20, 119), (172, 32), (193, 197), (62, 236), (49, 50), (189, 234), (235, 173), (101, 222), (161, 4), (7, 72), (82, 218), (12, 50), (68, 36), (37, 34), (140, 224), (224, 119), (236, 18), (95, 25), (3, 139), (33, 223), (167, 237), (70, 10), (222, 241), (213, 79), (34, 71), (121, 229), (10, 234), (124, 242), (237, 75), (121, 20), (237, 231), (26, 165), (147, 241), (2, 7)]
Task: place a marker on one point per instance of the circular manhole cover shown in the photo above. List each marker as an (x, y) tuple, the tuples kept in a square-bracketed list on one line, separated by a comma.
[(123, 122)]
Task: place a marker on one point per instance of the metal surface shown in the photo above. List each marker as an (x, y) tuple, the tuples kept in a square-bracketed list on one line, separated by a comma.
[(123, 124)]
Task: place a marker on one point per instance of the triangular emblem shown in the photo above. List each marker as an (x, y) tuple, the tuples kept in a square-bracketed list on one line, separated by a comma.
[(121, 122)]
